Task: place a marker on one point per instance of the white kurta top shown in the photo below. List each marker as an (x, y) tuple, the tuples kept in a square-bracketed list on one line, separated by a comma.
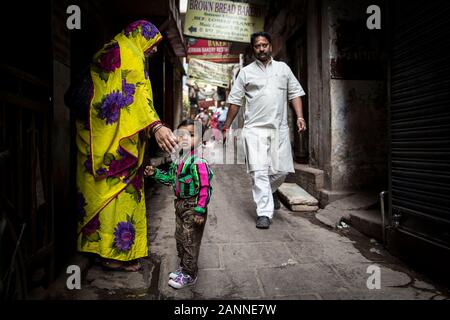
[(266, 91)]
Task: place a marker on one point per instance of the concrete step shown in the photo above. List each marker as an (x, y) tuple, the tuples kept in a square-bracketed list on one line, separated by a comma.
[(311, 179), (361, 211), (297, 199), (367, 222)]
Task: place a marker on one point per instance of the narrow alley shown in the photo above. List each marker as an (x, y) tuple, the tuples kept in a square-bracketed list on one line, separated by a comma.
[(339, 108), (297, 258)]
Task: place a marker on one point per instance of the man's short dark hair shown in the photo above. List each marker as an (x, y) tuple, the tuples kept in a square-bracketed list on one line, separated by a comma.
[(260, 34)]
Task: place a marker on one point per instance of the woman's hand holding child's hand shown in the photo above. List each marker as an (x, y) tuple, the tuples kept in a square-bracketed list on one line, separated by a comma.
[(149, 171)]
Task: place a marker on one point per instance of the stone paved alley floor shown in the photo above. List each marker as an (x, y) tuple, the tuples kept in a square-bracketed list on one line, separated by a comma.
[(297, 258)]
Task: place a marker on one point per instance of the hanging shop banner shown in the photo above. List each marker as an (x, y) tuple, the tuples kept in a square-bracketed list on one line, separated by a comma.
[(216, 74), (223, 20), (211, 50)]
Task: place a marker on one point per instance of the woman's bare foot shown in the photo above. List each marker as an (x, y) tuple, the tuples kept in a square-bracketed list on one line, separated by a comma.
[(133, 265), (116, 265)]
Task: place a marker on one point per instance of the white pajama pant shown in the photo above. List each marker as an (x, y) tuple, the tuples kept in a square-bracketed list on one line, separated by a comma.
[(263, 187)]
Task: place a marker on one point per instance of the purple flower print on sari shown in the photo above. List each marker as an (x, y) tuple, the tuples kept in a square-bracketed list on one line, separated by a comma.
[(88, 164), (112, 103), (91, 227), (101, 171), (128, 90), (148, 30), (81, 203), (111, 106), (132, 27), (110, 59), (120, 165), (121, 152), (120, 168), (137, 183), (134, 182), (124, 236)]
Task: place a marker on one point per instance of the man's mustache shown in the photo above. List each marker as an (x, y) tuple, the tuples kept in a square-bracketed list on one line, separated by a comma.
[(262, 54)]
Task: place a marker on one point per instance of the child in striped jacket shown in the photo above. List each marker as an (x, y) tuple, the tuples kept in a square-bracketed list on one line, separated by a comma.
[(190, 178)]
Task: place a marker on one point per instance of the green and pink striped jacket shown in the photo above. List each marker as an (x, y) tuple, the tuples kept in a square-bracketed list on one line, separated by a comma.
[(189, 177)]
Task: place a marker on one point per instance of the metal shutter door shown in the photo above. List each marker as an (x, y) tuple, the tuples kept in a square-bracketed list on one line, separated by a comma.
[(420, 120)]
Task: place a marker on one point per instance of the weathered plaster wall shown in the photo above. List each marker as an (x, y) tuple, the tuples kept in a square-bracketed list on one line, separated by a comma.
[(358, 134), (346, 81), (357, 98)]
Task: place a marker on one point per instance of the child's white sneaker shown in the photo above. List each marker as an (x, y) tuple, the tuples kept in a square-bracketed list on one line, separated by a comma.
[(175, 273), (182, 281)]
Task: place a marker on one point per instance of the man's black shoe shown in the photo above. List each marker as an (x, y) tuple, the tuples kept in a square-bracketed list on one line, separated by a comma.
[(263, 222), (276, 201)]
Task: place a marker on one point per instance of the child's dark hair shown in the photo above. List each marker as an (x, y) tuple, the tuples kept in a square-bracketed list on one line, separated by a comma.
[(186, 122), (190, 122)]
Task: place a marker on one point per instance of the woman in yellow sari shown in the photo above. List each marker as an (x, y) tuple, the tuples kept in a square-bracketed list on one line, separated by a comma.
[(111, 144)]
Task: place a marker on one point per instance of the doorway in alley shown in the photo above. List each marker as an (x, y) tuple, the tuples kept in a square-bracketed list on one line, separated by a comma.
[(297, 49)]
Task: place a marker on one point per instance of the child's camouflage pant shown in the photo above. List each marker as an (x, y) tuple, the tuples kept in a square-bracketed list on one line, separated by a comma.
[(188, 234)]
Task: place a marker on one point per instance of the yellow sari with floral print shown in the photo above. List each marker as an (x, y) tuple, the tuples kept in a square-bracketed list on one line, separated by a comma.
[(111, 202)]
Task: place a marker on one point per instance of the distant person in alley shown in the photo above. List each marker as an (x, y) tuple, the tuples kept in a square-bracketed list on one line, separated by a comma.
[(115, 115), (190, 178), (222, 111), (265, 86)]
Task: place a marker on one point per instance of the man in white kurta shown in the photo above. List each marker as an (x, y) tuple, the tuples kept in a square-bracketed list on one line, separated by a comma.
[(265, 87)]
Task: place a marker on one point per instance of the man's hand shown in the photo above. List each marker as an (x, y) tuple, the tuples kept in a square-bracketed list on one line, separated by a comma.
[(301, 124), (149, 171), (297, 105), (199, 219), (224, 130), (224, 134), (166, 139), (232, 113)]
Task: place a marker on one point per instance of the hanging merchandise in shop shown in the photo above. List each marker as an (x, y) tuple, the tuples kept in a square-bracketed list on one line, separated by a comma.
[(223, 20), (211, 50), (215, 74)]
